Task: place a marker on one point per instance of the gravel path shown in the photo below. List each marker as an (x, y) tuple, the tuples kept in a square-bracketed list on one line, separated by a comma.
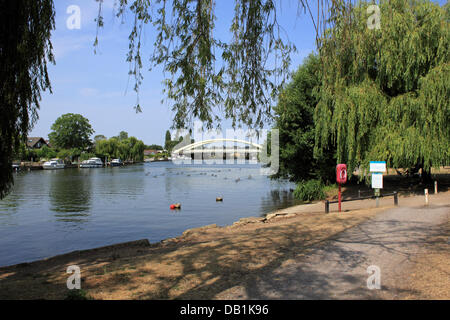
[(338, 268)]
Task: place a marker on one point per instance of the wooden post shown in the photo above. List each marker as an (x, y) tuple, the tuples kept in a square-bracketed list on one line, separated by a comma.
[(327, 206), (395, 198), (426, 196), (435, 187)]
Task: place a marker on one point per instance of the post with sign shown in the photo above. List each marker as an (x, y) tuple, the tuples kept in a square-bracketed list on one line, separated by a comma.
[(341, 178), (377, 168)]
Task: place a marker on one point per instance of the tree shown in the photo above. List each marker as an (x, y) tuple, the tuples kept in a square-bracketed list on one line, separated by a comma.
[(46, 152), (154, 147), (385, 93), (25, 50), (294, 118), (99, 137), (130, 149), (71, 131), (123, 135), (167, 140)]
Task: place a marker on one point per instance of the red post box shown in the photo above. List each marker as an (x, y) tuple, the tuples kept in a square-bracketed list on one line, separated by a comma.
[(341, 177)]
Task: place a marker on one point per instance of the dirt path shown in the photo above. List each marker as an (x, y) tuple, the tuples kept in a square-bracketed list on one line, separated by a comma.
[(337, 269), (299, 253)]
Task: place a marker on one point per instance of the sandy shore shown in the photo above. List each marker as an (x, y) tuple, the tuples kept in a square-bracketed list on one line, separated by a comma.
[(211, 262)]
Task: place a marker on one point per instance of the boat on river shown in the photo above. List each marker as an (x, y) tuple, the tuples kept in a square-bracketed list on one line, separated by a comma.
[(92, 163), (116, 163), (53, 164)]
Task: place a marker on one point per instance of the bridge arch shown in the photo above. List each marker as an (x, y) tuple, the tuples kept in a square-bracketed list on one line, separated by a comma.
[(194, 145)]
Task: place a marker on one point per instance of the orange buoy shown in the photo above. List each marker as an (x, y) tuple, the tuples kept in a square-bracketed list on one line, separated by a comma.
[(175, 206)]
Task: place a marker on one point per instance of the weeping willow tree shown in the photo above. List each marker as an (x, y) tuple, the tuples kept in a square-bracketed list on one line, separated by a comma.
[(25, 49), (385, 93), (210, 78)]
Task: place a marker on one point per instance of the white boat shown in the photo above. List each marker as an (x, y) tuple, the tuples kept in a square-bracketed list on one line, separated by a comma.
[(116, 163), (54, 164), (92, 163)]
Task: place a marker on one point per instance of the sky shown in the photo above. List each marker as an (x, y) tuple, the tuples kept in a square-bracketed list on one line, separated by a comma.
[(98, 87)]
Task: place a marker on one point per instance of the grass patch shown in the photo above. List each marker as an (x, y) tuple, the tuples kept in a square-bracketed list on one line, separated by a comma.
[(310, 190), (77, 295)]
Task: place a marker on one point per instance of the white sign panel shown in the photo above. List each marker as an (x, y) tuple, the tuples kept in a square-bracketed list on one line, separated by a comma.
[(377, 166), (377, 180)]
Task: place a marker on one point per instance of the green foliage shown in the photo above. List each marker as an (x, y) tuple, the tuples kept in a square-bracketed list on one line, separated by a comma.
[(129, 149), (86, 156), (310, 190), (294, 118), (99, 137), (78, 294), (46, 153), (168, 137), (71, 131), (123, 135), (154, 147), (385, 93), (169, 144), (25, 49)]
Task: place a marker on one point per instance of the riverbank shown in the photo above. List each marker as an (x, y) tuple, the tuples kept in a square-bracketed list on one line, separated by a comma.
[(204, 263)]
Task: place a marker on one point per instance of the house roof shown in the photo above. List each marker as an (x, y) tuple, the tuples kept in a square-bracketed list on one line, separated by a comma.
[(31, 141)]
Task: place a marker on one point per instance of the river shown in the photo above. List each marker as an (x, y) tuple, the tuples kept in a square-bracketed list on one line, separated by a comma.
[(51, 212)]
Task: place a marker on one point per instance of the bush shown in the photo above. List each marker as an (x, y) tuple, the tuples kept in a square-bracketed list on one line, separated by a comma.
[(77, 295), (309, 190)]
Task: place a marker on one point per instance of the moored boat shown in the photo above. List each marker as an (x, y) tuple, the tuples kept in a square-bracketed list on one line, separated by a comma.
[(92, 163), (116, 163), (53, 164)]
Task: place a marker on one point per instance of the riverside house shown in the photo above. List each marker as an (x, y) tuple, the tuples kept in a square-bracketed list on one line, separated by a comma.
[(36, 142)]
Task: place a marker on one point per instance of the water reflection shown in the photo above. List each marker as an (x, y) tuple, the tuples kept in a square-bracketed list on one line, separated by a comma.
[(70, 194), (277, 199), (116, 181)]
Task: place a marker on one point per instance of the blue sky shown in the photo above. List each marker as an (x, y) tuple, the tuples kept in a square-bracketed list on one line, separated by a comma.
[(97, 86)]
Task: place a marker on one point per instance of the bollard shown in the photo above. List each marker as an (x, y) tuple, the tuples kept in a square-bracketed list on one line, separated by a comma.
[(435, 187), (359, 193), (327, 206), (426, 196), (395, 198)]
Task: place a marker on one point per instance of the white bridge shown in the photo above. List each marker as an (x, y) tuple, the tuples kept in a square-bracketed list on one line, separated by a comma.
[(196, 147)]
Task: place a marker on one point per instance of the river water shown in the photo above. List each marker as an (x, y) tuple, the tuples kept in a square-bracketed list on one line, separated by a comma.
[(50, 212)]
